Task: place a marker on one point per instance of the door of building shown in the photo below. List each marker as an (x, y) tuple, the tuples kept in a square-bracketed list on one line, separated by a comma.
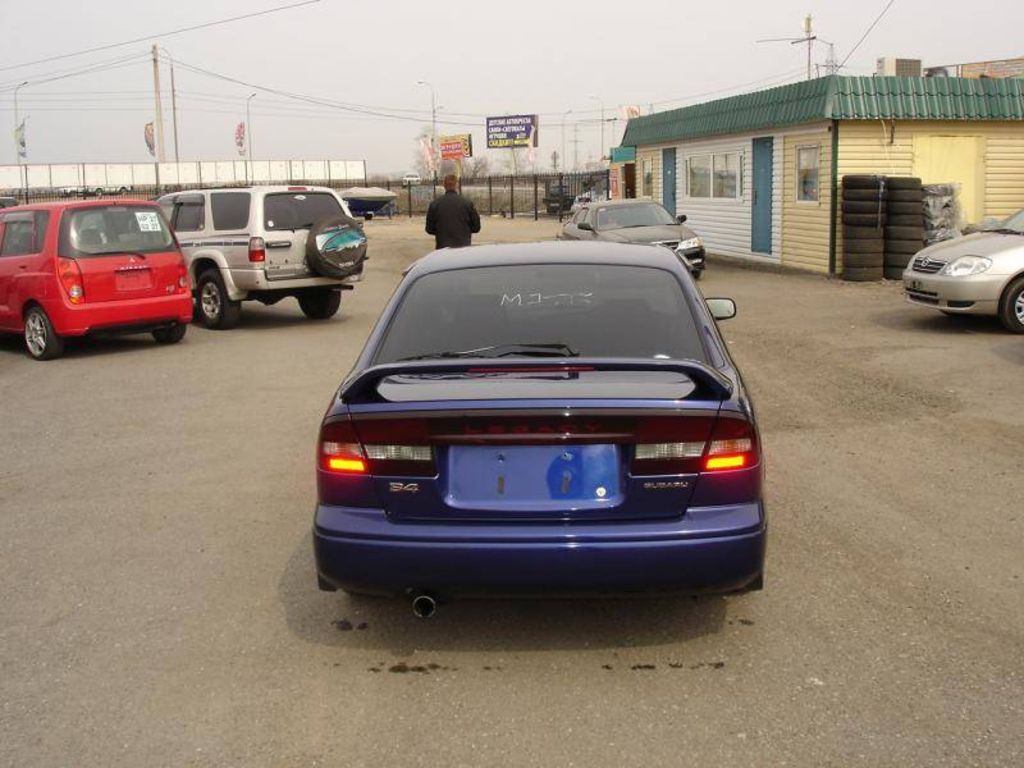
[(629, 180), (761, 215), (668, 179)]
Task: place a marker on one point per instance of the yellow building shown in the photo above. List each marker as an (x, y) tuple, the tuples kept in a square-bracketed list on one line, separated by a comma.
[(758, 174)]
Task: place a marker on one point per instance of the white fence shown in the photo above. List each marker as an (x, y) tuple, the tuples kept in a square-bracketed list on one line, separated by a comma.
[(202, 172)]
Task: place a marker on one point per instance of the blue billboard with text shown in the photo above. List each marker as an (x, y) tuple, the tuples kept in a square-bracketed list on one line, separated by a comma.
[(512, 131)]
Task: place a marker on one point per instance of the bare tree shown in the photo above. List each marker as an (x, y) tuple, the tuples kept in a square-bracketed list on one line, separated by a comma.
[(476, 167)]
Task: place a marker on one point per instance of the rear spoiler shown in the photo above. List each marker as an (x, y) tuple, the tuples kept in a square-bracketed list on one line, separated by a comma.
[(357, 386)]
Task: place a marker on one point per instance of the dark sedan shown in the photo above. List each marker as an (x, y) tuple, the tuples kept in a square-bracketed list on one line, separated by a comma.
[(640, 222), (542, 419)]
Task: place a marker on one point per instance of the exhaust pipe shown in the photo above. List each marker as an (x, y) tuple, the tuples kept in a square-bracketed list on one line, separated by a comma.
[(423, 606)]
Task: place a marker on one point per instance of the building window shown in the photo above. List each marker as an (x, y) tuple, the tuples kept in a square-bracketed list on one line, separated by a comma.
[(647, 178), (727, 176), (714, 176), (808, 168)]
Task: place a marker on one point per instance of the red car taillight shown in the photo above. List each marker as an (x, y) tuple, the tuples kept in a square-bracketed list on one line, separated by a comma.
[(70, 275), (384, 447), (257, 249), (182, 278)]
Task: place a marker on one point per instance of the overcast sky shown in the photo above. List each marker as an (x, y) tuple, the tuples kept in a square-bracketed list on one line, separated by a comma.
[(482, 58)]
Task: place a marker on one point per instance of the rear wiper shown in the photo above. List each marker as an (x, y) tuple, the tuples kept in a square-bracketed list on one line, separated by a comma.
[(502, 350)]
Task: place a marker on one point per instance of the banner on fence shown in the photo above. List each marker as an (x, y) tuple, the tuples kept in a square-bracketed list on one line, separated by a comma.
[(510, 131), (147, 134), (457, 147), (240, 138)]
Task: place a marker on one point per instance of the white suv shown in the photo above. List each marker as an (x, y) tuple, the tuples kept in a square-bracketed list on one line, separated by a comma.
[(266, 244)]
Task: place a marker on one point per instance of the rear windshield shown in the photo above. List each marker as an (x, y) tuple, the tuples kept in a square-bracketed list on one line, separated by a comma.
[(288, 210), (597, 310), (97, 231)]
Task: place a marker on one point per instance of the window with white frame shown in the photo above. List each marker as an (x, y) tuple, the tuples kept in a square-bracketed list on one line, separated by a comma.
[(714, 176), (808, 171)]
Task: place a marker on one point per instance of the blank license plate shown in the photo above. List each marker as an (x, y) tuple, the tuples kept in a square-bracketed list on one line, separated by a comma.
[(134, 280)]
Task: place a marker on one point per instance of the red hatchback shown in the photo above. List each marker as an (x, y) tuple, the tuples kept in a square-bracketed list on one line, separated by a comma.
[(76, 268)]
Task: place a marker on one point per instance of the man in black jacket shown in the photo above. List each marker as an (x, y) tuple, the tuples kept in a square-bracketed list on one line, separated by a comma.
[(451, 218)]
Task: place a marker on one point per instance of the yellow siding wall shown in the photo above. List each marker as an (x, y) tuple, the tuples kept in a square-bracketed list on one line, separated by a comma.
[(805, 226), (870, 147), (654, 155)]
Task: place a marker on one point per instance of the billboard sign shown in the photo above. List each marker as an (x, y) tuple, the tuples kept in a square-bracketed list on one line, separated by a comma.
[(511, 131), (456, 147)]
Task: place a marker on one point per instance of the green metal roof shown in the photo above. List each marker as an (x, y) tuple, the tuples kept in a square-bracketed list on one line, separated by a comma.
[(835, 97)]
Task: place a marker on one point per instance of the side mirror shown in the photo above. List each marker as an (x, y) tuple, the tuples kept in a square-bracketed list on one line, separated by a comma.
[(681, 218), (585, 225), (721, 309)]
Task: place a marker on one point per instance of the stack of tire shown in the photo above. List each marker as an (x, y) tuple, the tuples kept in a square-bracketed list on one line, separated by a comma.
[(904, 230), (864, 208)]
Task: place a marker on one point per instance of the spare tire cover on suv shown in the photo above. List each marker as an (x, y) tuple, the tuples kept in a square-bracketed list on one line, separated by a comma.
[(336, 247)]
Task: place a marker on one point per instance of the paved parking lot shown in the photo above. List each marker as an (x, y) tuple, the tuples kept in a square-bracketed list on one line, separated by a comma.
[(160, 606)]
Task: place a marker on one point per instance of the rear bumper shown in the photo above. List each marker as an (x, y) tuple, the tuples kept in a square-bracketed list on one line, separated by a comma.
[(133, 316), (714, 549)]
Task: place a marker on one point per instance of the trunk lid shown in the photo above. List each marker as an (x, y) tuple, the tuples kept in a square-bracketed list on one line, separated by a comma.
[(121, 276), (584, 446)]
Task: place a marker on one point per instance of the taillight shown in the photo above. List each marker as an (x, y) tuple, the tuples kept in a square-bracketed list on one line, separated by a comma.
[(257, 249), (388, 447), (182, 277), (670, 446), (733, 445), (339, 449), (70, 275)]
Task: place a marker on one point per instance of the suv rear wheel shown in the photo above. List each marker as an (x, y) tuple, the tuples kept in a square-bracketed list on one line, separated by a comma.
[(214, 308), (320, 303), (41, 341)]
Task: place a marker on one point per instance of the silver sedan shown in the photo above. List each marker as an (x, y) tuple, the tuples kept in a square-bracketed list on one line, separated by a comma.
[(980, 274)]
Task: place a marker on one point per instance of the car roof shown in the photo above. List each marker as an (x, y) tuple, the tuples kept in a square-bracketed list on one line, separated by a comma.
[(64, 205), (616, 203), (547, 252), (269, 188)]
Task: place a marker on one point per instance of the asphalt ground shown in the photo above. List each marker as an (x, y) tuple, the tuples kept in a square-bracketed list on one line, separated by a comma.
[(160, 608)]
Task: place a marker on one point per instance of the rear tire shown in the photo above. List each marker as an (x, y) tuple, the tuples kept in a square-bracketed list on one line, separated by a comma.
[(171, 335), (215, 309), (1011, 306), (41, 341), (320, 304)]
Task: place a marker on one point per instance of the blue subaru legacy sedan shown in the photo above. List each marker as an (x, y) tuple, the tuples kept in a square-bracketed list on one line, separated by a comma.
[(542, 419)]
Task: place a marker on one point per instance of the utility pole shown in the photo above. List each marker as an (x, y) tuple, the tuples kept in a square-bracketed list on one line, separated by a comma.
[(600, 154), (159, 111), (17, 143), (575, 146), (174, 108), (808, 22), (564, 115)]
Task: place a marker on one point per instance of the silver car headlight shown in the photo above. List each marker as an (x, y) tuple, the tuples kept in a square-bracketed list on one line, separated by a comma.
[(966, 266), (693, 242)]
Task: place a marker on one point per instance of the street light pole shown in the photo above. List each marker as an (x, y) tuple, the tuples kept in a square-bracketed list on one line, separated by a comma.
[(248, 133), (17, 144), (433, 126)]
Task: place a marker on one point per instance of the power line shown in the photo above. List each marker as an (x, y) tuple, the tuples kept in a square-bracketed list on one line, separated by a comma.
[(868, 32), (159, 34), (81, 69)]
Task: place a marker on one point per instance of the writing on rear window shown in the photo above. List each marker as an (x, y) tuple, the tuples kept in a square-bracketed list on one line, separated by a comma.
[(526, 299)]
